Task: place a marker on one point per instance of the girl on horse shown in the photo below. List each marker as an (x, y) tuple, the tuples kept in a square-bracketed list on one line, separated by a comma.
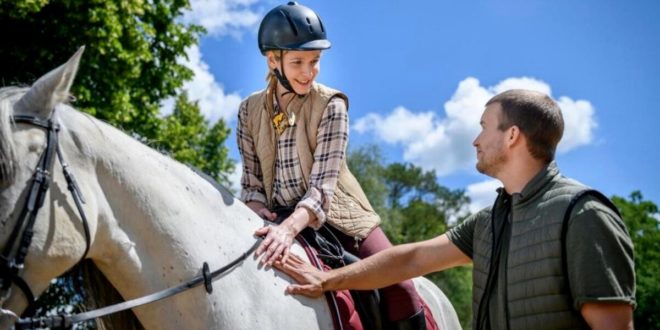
[(292, 138)]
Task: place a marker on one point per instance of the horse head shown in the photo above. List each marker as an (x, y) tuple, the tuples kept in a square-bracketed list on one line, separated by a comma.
[(29, 173)]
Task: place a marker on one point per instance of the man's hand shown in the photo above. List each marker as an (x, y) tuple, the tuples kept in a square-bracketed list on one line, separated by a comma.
[(309, 278)]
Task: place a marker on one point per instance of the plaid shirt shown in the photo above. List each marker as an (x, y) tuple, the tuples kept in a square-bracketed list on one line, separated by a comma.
[(288, 186)]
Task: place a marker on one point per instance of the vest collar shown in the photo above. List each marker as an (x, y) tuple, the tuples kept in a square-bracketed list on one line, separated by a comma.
[(536, 184)]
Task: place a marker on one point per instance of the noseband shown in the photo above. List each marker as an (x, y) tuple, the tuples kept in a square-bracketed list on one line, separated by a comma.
[(13, 254)]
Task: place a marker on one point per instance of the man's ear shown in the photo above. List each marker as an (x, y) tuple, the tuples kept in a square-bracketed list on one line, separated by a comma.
[(514, 136)]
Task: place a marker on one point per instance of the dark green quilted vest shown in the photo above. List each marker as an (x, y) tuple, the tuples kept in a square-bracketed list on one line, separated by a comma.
[(537, 290)]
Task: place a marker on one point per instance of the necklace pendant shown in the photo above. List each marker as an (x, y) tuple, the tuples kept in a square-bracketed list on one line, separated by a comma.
[(292, 119)]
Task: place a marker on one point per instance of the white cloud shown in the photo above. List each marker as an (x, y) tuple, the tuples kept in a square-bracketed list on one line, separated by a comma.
[(401, 125), (579, 123), (210, 95), (521, 82), (220, 18), (445, 144), (214, 103), (223, 17), (482, 194)]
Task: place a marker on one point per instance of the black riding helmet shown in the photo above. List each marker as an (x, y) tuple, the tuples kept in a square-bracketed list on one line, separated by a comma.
[(291, 27)]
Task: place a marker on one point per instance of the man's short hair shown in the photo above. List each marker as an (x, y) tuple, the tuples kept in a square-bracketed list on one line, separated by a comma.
[(537, 116)]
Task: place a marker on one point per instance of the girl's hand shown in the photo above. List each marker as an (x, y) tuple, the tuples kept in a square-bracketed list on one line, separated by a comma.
[(278, 239), (277, 243)]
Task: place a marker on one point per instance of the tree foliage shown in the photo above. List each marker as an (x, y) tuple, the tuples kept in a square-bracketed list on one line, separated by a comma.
[(641, 218), (189, 138)]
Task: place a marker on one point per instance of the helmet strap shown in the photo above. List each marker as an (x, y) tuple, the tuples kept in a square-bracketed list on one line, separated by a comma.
[(282, 78)]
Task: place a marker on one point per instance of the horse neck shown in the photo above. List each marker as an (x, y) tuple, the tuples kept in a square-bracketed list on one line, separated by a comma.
[(136, 175), (153, 212)]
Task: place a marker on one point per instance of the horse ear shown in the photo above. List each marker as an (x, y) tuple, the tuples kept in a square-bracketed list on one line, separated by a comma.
[(51, 89)]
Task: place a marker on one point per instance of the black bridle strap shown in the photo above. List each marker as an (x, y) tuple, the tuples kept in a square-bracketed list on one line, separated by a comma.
[(13, 256), (14, 253), (16, 279), (78, 198), (59, 321)]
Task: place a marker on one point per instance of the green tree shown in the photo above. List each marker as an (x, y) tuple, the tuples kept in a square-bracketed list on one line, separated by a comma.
[(366, 164), (187, 137), (641, 218)]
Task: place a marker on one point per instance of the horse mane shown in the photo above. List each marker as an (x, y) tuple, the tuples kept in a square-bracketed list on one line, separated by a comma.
[(100, 293), (8, 96)]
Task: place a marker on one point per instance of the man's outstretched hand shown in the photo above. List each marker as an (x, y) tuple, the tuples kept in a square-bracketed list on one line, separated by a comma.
[(310, 280)]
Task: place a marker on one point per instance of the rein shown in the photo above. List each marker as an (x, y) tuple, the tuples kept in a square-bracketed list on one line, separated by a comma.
[(66, 321), (13, 255)]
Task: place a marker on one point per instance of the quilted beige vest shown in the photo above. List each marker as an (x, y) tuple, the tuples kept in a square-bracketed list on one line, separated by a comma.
[(350, 211)]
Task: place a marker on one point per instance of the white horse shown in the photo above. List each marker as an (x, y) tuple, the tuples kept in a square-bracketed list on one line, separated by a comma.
[(153, 222)]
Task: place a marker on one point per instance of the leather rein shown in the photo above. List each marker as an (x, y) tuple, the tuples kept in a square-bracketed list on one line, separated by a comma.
[(12, 257)]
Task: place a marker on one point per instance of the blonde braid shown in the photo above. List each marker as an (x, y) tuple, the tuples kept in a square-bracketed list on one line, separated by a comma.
[(271, 79)]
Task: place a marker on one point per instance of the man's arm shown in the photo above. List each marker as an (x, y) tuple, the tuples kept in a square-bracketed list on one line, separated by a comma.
[(382, 269), (600, 266), (608, 315)]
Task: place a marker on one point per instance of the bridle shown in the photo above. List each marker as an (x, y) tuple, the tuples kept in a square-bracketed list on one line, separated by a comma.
[(13, 255)]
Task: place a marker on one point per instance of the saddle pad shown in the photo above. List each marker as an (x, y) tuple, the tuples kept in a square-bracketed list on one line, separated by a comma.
[(342, 306)]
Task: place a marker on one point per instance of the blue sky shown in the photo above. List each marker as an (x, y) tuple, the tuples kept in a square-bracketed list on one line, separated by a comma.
[(418, 73)]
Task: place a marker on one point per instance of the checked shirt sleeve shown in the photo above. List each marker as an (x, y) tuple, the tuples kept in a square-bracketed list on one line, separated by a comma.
[(331, 141), (252, 187)]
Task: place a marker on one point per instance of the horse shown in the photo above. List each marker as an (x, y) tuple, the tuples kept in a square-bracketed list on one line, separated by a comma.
[(150, 223)]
